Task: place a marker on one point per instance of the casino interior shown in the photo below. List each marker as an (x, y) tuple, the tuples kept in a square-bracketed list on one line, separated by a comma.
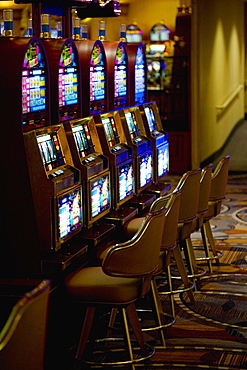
[(101, 101)]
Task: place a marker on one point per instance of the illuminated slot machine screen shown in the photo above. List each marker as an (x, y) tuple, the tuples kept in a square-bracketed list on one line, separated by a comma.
[(97, 80), (126, 182), (120, 77), (83, 139), (145, 170), (163, 159), (110, 129), (34, 87), (100, 197), (140, 76), (50, 150), (132, 124), (68, 82), (68, 210), (150, 119)]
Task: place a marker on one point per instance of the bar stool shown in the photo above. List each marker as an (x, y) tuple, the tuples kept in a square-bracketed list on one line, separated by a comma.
[(172, 203), (189, 185), (217, 194), (205, 186), (124, 277)]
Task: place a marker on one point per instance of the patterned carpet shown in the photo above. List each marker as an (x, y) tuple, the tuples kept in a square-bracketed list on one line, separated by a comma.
[(212, 334)]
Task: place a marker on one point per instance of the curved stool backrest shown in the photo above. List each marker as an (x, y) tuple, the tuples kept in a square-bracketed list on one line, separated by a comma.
[(205, 187), (22, 339), (189, 185), (219, 179), (138, 256), (172, 203)]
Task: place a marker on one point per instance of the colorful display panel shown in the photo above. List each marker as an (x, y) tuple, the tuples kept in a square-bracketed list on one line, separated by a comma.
[(100, 195), (110, 129), (132, 124), (150, 118), (140, 80), (163, 159), (83, 139), (126, 181), (120, 77), (146, 169), (34, 87), (97, 74), (68, 76), (50, 150), (69, 207)]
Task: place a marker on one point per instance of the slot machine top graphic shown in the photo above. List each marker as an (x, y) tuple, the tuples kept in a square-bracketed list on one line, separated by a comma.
[(64, 78), (97, 78), (137, 73), (117, 74), (120, 76), (68, 80), (140, 83), (34, 87)]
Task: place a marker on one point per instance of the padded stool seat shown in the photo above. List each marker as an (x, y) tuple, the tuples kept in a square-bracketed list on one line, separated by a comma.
[(99, 287)]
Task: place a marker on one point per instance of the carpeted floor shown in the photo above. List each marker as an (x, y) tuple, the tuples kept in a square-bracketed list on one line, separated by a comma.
[(212, 334)]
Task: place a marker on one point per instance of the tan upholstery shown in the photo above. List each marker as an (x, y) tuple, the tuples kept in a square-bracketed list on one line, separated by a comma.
[(22, 339), (219, 180), (124, 277), (189, 185), (205, 187)]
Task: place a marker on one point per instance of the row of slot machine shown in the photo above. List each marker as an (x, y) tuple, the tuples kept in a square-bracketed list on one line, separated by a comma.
[(82, 151)]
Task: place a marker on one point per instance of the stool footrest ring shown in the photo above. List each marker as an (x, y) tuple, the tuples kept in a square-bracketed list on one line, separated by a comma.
[(102, 354), (219, 255), (171, 322), (182, 290)]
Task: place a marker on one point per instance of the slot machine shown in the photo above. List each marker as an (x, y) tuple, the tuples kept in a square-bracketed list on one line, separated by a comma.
[(118, 74), (154, 131), (121, 164), (65, 79), (94, 82), (137, 73), (143, 153), (87, 155), (41, 192), (56, 186)]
